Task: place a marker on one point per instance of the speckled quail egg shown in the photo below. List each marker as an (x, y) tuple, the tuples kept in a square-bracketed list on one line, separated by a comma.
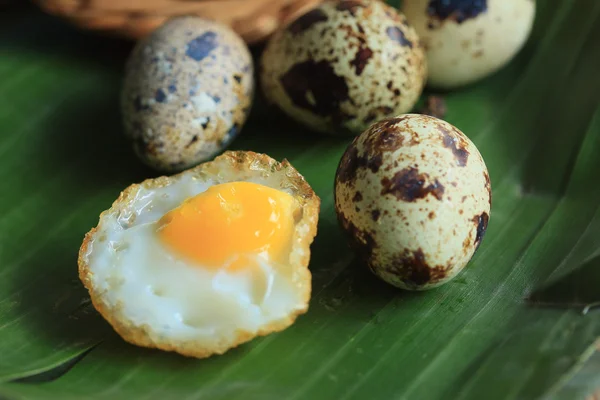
[(187, 92), (467, 40), (413, 194), (343, 65), (202, 261)]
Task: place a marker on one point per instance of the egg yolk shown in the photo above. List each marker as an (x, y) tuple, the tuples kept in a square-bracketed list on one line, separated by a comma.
[(229, 223)]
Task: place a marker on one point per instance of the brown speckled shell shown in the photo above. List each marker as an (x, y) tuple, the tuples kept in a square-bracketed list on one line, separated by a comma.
[(187, 92), (470, 43), (413, 193), (344, 65), (232, 166)]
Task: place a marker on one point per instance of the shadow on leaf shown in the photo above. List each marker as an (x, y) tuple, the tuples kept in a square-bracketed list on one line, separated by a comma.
[(578, 289)]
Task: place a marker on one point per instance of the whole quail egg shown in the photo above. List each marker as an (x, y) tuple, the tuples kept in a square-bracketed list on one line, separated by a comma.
[(187, 92), (467, 40), (343, 65), (205, 260), (413, 194)]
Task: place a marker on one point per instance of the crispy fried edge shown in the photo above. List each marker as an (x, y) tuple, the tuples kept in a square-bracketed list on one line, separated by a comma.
[(234, 160)]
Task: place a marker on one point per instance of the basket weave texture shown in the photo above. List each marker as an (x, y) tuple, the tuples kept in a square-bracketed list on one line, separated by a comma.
[(254, 20)]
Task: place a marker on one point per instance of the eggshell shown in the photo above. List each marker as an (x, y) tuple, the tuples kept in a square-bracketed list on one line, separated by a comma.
[(187, 92), (413, 194), (468, 40), (343, 65), (229, 167)]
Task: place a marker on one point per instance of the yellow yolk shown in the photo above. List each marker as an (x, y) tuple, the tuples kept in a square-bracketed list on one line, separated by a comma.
[(229, 223)]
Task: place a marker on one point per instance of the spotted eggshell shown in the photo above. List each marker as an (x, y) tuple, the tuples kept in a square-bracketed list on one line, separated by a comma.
[(187, 92), (468, 40), (343, 65), (413, 194)]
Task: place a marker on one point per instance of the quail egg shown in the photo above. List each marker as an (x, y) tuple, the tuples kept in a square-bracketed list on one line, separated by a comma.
[(467, 40), (413, 194), (343, 65), (202, 261), (187, 92)]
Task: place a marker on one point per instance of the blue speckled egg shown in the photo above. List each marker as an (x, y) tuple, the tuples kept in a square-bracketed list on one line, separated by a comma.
[(187, 92)]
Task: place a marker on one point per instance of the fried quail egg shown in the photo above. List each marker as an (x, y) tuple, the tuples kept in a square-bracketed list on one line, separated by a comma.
[(187, 92), (467, 40), (343, 65), (202, 261), (413, 194)]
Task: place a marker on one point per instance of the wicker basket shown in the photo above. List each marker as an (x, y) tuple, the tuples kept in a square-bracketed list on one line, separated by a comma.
[(254, 20)]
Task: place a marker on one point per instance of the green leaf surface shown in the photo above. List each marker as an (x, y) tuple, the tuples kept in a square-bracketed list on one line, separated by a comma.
[(513, 325)]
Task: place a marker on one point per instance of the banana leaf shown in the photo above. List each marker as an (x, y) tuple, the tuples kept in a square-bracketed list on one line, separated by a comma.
[(520, 322)]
